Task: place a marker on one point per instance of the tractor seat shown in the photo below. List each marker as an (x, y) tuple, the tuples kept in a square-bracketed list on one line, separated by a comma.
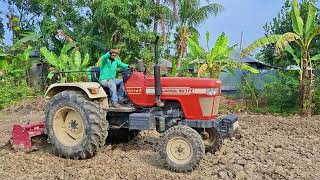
[(94, 77), (94, 74)]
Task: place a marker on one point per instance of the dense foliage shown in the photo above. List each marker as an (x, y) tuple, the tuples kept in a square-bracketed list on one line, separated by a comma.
[(304, 33), (11, 94), (281, 24), (69, 65), (282, 93), (96, 25), (71, 35), (14, 66), (213, 61)]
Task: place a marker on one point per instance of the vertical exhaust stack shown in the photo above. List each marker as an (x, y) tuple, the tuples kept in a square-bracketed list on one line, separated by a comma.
[(157, 85)]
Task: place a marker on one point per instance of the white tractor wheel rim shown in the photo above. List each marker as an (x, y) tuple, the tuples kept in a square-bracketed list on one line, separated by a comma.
[(179, 150), (68, 126)]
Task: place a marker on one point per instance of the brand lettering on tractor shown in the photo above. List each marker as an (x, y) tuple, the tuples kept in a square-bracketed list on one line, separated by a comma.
[(134, 90), (177, 91)]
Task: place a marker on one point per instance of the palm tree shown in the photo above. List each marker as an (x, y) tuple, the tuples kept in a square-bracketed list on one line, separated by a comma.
[(163, 15), (304, 33), (190, 13), (156, 17)]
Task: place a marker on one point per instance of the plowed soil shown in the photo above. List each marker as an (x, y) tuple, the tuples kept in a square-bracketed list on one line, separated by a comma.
[(270, 148)]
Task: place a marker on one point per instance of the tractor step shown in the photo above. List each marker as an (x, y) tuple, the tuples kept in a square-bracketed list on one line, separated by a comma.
[(122, 109), (22, 135)]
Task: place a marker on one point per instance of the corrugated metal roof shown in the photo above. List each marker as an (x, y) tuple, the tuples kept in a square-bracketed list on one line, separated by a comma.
[(248, 59), (165, 63)]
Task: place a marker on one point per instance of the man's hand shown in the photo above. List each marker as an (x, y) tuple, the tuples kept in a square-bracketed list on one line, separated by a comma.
[(132, 66), (116, 51)]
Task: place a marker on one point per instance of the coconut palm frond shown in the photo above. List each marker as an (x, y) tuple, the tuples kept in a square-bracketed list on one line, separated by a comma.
[(203, 13)]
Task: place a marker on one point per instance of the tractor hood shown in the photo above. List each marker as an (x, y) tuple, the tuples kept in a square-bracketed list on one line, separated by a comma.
[(185, 82)]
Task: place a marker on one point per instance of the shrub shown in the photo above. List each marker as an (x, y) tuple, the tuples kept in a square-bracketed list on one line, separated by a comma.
[(316, 95), (11, 93), (282, 94)]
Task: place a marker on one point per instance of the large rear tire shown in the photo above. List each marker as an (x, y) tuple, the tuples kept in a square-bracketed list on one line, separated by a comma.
[(76, 126), (182, 148)]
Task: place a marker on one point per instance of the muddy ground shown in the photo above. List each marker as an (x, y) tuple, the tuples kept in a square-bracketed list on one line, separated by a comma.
[(270, 148)]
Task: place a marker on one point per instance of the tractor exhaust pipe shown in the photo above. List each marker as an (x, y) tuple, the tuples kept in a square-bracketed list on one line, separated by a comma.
[(157, 85)]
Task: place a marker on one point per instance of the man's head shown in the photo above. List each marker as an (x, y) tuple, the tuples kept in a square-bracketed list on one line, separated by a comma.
[(114, 53)]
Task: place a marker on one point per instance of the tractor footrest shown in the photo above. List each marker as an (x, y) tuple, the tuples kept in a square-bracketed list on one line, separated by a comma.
[(22, 134)]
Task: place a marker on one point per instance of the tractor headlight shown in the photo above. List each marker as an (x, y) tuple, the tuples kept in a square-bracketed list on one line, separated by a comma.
[(213, 91)]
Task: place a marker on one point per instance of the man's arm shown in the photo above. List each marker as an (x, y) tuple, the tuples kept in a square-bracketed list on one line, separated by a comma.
[(121, 64), (102, 61)]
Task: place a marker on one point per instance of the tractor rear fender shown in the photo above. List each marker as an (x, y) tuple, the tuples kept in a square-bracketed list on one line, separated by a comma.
[(92, 89)]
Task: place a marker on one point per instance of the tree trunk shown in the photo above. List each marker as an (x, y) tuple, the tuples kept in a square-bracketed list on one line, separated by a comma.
[(156, 17), (181, 46), (306, 89)]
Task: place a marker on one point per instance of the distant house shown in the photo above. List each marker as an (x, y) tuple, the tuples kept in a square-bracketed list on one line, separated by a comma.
[(253, 62), (232, 83), (165, 65)]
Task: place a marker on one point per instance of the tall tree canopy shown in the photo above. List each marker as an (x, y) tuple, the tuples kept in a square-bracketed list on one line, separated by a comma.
[(96, 25), (282, 24)]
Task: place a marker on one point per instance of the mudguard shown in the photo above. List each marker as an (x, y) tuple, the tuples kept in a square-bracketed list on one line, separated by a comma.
[(92, 89)]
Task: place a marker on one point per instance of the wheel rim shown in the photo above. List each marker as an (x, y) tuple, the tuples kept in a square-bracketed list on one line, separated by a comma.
[(68, 126), (179, 150), (208, 137)]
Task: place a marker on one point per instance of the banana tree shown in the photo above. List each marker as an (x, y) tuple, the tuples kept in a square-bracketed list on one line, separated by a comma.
[(216, 60), (304, 33), (67, 65)]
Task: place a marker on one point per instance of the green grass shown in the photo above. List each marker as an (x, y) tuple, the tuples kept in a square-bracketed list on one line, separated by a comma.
[(273, 110)]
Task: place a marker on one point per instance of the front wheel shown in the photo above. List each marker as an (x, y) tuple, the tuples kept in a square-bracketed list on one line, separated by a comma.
[(182, 148)]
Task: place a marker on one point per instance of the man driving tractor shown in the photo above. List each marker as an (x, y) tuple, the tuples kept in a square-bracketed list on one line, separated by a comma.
[(109, 64)]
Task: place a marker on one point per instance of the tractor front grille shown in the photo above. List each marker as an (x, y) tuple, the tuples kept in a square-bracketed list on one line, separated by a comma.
[(209, 105)]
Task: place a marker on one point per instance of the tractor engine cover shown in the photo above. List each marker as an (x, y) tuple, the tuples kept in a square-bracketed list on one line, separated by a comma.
[(142, 121)]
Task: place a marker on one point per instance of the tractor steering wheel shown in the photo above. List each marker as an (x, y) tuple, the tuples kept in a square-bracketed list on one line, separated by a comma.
[(126, 73)]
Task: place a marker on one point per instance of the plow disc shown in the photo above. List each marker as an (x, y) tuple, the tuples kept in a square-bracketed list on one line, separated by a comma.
[(22, 135)]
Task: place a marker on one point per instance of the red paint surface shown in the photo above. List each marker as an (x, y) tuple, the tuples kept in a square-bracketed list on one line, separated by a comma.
[(21, 135), (137, 84)]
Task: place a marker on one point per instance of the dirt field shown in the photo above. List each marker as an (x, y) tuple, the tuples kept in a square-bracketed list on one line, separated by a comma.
[(270, 148)]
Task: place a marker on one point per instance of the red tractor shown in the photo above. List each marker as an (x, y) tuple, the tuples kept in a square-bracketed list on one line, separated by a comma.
[(78, 118)]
